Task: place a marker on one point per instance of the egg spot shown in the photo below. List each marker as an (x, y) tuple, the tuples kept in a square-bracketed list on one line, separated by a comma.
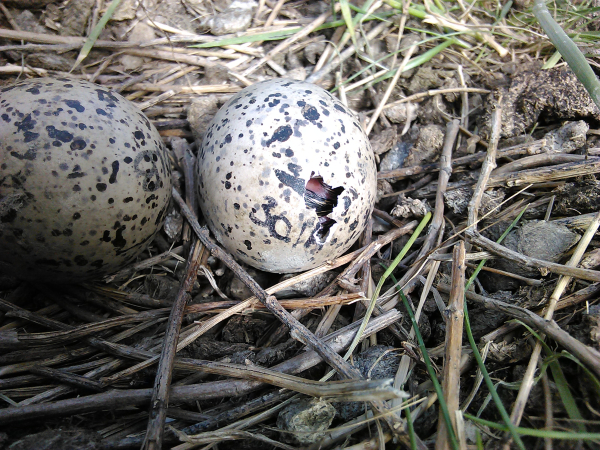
[(281, 134), (310, 113)]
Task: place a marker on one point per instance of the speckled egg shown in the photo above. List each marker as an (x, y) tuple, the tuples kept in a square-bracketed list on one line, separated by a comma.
[(286, 176), (85, 180)]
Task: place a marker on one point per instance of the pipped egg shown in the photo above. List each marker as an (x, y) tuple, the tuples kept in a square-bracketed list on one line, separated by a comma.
[(286, 176)]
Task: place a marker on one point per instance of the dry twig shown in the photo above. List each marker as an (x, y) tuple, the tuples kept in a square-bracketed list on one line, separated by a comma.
[(454, 329), (164, 373)]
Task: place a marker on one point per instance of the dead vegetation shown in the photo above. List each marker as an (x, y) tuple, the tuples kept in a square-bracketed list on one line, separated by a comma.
[(186, 348)]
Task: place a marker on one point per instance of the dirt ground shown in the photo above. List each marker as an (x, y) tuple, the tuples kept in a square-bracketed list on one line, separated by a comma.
[(513, 139)]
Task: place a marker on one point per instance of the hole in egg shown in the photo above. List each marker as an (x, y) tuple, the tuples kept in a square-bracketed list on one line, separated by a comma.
[(322, 198)]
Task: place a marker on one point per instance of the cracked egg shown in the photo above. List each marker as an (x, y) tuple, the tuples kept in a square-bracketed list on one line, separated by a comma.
[(286, 176)]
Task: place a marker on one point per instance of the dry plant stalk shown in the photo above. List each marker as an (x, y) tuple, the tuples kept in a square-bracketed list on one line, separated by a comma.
[(317, 76), (542, 159), (489, 164), (289, 41), (348, 390), (164, 373), (543, 266), (566, 302), (547, 174), (339, 340), (587, 354), (395, 78), (68, 378), (454, 330), (517, 150)]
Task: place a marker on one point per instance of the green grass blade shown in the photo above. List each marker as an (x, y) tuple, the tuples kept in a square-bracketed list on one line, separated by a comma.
[(513, 386), (488, 381), (419, 60), (486, 376), (564, 435), (560, 380), (566, 396), (373, 302), (593, 380), (267, 36), (363, 11), (432, 375), (504, 11), (429, 54), (370, 66), (552, 61), (500, 239), (411, 429), (416, 10), (382, 280), (347, 16), (568, 50), (93, 37), (440, 6), (478, 440)]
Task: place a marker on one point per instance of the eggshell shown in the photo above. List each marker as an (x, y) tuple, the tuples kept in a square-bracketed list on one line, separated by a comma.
[(262, 148)]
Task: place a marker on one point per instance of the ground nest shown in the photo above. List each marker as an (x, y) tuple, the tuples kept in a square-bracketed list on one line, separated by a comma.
[(487, 208)]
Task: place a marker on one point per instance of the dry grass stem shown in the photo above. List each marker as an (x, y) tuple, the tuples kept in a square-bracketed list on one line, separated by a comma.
[(517, 150), (588, 355), (547, 174), (395, 78), (435, 233), (528, 281), (489, 164), (543, 266), (288, 42), (317, 76), (164, 373), (433, 92), (454, 325), (218, 389), (566, 302)]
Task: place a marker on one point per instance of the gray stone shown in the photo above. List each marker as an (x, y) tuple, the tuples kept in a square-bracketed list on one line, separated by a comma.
[(543, 240), (313, 51), (237, 17), (239, 291), (305, 288), (305, 421), (75, 16), (27, 21), (200, 113), (395, 157), (376, 363)]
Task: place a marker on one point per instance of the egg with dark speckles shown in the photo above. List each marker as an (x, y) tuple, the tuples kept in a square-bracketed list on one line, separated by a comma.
[(286, 176), (85, 180)]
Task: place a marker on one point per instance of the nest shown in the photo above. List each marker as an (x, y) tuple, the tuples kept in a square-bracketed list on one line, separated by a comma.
[(185, 347)]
